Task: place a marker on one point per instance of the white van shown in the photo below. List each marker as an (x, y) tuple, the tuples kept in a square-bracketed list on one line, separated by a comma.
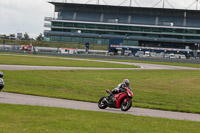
[(171, 56), (147, 54)]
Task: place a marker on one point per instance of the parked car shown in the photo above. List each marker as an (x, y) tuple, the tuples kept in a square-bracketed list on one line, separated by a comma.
[(171, 56), (147, 54), (182, 57)]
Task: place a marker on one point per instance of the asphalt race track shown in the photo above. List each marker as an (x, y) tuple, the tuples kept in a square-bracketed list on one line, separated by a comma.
[(11, 98), (142, 66), (19, 99)]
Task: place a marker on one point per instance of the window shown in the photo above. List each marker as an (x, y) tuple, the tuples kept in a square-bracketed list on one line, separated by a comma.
[(101, 26), (90, 26), (123, 28), (57, 24), (80, 25), (112, 27), (68, 25)]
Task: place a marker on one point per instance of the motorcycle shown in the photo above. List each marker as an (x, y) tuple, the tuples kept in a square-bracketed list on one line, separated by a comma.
[(1, 81), (121, 100)]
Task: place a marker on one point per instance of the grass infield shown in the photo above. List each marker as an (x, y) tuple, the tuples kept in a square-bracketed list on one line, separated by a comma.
[(12, 59), (45, 61), (176, 90), (32, 119)]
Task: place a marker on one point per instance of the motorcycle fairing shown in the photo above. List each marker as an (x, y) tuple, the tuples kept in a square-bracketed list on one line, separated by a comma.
[(118, 98)]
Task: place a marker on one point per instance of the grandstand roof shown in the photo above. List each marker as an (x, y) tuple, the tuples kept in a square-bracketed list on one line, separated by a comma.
[(125, 10)]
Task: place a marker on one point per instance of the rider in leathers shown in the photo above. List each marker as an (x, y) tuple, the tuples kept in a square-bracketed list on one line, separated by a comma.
[(120, 87)]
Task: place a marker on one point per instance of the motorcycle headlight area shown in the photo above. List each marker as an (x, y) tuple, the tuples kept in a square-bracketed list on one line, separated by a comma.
[(129, 94)]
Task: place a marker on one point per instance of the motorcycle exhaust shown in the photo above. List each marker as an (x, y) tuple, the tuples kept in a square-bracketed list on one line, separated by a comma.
[(105, 100)]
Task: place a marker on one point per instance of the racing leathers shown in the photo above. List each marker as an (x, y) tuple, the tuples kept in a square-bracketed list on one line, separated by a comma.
[(118, 89)]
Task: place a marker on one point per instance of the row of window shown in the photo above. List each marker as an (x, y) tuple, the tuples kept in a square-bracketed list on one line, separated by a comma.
[(88, 40), (126, 28), (126, 34)]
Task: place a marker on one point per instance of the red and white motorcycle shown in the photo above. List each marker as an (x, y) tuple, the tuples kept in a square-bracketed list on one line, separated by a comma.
[(121, 100)]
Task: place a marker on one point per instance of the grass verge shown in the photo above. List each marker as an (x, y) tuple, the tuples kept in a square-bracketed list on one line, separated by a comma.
[(176, 90), (50, 61), (31, 119), (133, 61)]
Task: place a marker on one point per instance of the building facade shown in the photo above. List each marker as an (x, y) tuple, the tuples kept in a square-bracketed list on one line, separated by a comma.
[(137, 26)]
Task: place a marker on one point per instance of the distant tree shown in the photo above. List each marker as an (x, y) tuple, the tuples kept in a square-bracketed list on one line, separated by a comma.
[(26, 36), (40, 37), (12, 35)]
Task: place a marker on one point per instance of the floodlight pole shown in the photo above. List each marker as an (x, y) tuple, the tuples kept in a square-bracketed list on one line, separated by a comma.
[(130, 2), (197, 4), (163, 3)]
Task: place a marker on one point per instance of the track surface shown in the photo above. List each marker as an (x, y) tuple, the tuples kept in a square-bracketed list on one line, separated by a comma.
[(142, 67), (11, 98)]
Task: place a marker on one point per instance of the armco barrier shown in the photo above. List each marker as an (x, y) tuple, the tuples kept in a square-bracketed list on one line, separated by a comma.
[(193, 61)]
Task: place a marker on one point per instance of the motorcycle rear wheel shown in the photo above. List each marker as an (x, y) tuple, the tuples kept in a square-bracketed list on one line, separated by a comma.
[(126, 106), (101, 103)]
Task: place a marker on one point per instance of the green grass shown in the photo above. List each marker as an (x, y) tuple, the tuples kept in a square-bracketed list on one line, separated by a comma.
[(45, 61), (177, 90), (13, 60), (33, 119)]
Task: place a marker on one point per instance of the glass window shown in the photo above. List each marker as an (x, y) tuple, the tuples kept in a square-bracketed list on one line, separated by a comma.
[(66, 30), (145, 29), (155, 29), (101, 26), (112, 27), (191, 31), (66, 39), (167, 30), (68, 25), (57, 23), (179, 31), (54, 29), (56, 38), (135, 28), (122, 27), (80, 25), (90, 26)]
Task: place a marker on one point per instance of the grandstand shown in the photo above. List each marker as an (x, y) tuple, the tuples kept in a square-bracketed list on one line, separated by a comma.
[(137, 26)]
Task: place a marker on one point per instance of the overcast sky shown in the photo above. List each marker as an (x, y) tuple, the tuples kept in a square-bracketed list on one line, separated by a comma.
[(28, 15)]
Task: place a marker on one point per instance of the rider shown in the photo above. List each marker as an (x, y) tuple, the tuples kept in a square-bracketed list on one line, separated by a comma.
[(120, 87)]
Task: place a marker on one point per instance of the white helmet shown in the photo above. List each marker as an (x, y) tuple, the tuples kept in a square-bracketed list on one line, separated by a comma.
[(126, 82)]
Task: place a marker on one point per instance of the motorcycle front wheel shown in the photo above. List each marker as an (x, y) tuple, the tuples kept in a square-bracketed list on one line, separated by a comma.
[(125, 106), (101, 103)]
